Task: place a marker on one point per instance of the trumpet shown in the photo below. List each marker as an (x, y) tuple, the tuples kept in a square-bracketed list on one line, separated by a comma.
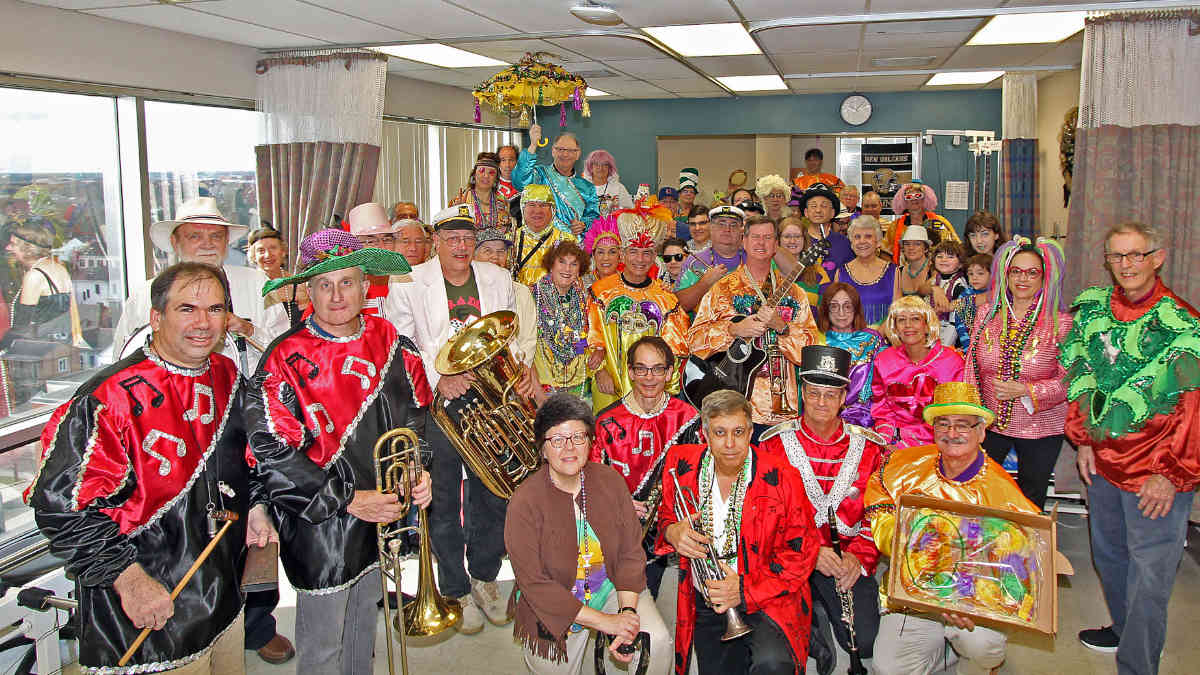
[(687, 507), (397, 471)]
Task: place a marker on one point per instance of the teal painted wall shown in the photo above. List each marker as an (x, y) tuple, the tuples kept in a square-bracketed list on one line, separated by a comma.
[(629, 129)]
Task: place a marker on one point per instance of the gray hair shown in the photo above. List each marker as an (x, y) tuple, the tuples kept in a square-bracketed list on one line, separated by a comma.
[(1151, 234), (723, 402), (864, 222), (407, 222)]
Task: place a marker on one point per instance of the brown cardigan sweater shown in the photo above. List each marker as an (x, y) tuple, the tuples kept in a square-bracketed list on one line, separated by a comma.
[(543, 547)]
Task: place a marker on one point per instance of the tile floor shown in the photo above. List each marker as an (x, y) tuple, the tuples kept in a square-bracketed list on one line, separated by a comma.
[(1080, 605)]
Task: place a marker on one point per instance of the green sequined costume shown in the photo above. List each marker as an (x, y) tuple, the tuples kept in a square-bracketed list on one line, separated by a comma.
[(1122, 373)]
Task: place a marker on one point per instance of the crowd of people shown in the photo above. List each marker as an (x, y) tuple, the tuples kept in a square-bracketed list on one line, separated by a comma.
[(898, 358)]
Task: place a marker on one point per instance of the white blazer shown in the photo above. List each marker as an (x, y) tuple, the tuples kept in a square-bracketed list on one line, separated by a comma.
[(420, 309)]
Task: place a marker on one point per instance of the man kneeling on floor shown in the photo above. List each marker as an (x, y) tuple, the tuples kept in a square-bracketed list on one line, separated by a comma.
[(957, 469)]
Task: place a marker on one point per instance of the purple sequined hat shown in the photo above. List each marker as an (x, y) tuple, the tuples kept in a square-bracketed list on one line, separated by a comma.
[(324, 243)]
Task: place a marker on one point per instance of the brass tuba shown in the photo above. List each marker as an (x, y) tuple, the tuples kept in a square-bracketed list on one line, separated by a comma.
[(397, 471), (491, 425)]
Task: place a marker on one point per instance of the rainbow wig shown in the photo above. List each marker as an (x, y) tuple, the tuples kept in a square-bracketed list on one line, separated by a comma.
[(911, 304), (600, 157), (602, 228), (1053, 264), (899, 205)]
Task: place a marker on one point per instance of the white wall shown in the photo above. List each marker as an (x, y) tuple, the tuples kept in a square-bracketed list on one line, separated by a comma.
[(1057, 94), (715, 156), (48, 42)]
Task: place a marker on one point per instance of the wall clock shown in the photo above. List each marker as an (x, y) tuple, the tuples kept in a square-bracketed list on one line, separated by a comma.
[(856, 110)]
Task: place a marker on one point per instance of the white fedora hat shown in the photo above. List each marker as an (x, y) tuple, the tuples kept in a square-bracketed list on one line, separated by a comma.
[(915, 233), (370, 218), (201, 210)]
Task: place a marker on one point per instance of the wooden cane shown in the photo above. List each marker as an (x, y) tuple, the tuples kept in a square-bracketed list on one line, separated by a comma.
[(229, 517)]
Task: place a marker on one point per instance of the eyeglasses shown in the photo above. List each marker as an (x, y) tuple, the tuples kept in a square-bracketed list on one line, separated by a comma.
[(841, 308), (578, 439), (674, 257), (959, 428), (373, 239), (1022, 273), (1135, 257), (567, 151), (642, 371), (700, 221), (726, 225), (459, 241), (794, 236)]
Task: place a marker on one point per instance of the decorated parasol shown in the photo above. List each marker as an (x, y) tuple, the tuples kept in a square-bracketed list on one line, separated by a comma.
[(531, 82)]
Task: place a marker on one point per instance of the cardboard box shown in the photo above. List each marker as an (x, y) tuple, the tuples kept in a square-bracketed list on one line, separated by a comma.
[(966, 560)]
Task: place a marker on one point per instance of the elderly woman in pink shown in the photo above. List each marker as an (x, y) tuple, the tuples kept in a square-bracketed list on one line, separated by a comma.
[(907, 372), (1013, 358), (601, 169)]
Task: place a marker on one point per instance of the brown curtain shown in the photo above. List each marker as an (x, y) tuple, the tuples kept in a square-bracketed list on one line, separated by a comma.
[(302, 186), (1149, 173)]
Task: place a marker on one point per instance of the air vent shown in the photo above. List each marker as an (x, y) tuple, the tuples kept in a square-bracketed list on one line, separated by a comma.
[(903, 61), (594, 74)]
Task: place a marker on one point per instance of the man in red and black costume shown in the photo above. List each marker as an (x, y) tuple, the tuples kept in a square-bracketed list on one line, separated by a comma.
[(134, 469), (330, 388), (835, 460), (758, 523), (634, 434)]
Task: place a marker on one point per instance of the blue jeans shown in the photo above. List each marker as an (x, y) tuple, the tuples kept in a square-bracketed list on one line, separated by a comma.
[(1137, 559)]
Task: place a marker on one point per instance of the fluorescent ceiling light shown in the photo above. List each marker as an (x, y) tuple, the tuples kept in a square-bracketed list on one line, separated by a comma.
[(440, 55), (706, 39), (973, 77), (753, 82), (1022, 29), (592, 91)]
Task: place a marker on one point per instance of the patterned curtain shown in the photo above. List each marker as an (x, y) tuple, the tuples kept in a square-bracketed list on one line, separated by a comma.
[(322, 126), (1019, 206), (1137, 148)]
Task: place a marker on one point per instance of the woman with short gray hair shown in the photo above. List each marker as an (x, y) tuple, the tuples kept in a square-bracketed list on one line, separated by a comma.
[(872, 276)]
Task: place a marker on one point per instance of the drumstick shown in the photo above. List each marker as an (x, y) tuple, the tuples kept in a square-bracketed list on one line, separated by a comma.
[(250, 341), (231, 517)]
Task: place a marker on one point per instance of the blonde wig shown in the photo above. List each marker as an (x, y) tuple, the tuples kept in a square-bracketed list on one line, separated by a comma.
[(911, 304), (768, 184)]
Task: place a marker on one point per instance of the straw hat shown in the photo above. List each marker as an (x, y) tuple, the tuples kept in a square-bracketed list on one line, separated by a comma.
[(200, 211)]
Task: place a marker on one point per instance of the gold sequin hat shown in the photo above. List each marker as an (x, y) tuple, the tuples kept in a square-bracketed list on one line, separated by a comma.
[(956, 398)]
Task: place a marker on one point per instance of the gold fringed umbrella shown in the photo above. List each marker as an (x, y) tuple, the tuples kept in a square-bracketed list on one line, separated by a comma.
[(531, 82)]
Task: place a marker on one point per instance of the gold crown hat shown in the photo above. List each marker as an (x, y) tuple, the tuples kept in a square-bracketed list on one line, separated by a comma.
[(535, 192), (956, 398)]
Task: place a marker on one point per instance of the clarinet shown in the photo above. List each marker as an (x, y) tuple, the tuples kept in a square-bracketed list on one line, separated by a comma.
[(847, 601)]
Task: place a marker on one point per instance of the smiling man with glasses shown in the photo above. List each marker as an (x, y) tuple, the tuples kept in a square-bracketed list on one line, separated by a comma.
[(634, 434), (955, 468), (1135, 417), (575, 202)]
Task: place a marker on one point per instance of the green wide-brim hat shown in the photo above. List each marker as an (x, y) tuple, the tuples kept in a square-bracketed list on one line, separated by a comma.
[(331, 249), (956, 398)]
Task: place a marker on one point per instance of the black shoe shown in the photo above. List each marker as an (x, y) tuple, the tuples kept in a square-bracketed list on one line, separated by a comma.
[(1100, 639)]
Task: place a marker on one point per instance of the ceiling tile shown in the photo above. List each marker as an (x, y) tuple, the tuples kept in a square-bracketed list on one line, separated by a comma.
[(307, 19), (826, 62), (640, 13), (94, 4), (761, 10), (509, 51), (538, 15), (885, 6), (810, 38), (875, 39), (724, 66), (651, 68), (601, 48), (436, 21), (628, 87), (1070, 51), (939, 55), (183, 20), (994, 57), (689, 85), (852, 84)]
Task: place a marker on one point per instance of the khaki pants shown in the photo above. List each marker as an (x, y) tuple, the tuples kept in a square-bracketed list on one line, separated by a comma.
[(912, 645), (226, 657), (662, 646)]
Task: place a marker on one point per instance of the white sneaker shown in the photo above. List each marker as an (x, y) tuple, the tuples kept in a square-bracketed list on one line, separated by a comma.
[(472, 618), (487, 597)]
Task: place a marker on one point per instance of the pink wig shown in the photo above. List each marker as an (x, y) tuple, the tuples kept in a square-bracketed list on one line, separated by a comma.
[(602, 228), (899, 205), (599, 157)]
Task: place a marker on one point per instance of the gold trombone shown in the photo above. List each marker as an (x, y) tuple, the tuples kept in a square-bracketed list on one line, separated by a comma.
[(687, 510), (398, 471)]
